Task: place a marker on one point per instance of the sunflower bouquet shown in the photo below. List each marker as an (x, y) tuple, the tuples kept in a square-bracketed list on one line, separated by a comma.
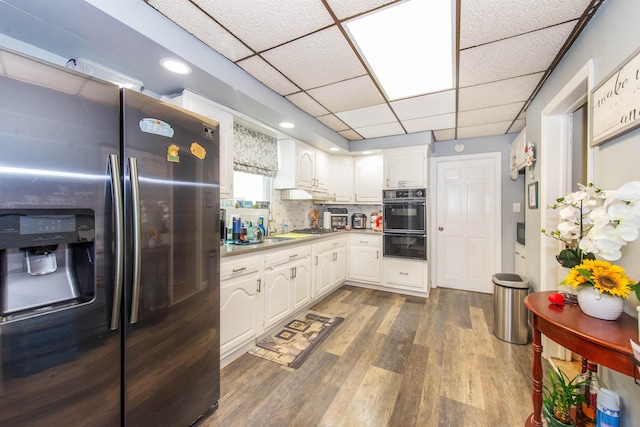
[(607, 278)]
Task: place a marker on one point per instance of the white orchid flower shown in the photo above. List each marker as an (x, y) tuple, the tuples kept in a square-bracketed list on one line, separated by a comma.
[(612, 254), (569, 230), (569, 212), (630, 192), (619, 211), (628, 232)]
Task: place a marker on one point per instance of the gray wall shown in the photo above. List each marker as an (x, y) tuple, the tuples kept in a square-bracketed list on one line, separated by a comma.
[(512, 191), (610, 37)]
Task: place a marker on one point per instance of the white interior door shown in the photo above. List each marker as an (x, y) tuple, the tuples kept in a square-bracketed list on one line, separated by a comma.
[(468, 235)]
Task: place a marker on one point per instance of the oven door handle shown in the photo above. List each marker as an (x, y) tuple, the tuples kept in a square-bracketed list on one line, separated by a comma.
[(405, 233)]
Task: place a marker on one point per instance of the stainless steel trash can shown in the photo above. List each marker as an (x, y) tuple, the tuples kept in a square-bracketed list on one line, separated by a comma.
[(510, 314)]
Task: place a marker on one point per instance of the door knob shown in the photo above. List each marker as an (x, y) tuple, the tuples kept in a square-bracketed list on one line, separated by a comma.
[(440, 228)]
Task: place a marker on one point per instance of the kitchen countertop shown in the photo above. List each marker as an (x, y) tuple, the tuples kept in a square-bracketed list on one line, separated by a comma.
[(284, 240)]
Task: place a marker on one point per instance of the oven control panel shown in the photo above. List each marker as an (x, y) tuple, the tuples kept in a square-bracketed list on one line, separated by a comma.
[(405, 194)]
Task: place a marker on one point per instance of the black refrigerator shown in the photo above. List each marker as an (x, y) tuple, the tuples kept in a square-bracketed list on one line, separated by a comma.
[(109, 253)]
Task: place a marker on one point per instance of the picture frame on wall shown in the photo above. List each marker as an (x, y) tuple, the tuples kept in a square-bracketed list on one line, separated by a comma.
[(614, 102), (532, 195)]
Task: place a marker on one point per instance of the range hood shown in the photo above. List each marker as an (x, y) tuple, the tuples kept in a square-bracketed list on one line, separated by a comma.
[(300, 194)]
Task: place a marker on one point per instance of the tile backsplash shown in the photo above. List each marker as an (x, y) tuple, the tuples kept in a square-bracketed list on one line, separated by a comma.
[(294, 213)]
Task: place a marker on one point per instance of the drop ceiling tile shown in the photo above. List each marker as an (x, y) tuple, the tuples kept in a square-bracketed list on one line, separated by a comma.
[(261, 70), (526, 54), (377, 131), (512, 18), (498, 93), (333, 122), (424, 106), (517, 126), (484, 130), (348, 8), (348, 95), (442, 121), (196, 22), (316, 60), (495, 114), (267, 23), (444, 134), (307, 103), (367, 116), (351, 135)]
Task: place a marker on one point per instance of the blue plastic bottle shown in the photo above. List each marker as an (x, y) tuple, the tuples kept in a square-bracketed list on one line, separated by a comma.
[(261, 225)]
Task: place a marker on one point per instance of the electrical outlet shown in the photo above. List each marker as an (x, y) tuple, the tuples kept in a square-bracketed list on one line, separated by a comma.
[(516, 207)]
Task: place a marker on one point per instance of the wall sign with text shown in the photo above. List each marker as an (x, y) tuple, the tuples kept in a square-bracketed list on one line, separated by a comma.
[(615, 103)]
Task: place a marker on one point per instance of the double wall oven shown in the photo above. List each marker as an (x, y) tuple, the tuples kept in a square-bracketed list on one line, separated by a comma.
[(404, 213)]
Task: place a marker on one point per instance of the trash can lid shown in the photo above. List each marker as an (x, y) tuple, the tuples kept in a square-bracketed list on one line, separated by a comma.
[(511, 280)]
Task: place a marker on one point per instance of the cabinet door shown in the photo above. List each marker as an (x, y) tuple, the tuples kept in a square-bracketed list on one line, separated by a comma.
[(339, 266), (342, 178), (276, 294), (364, 264), (520, 259), (322, 172), (324, 273), (368, 179), (238, 312), (301, 284), (407, 169), (305, 167)]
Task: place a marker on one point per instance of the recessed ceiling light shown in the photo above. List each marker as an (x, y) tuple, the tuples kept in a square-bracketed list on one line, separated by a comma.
[(414, 53), (334, 149), (367, 152), (175, 66), (287, 125)]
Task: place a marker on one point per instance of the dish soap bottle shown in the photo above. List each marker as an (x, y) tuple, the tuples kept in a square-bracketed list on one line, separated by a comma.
[(250, 235), (261, 225)]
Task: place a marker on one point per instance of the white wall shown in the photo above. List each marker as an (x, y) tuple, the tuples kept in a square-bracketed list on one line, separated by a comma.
[(608, 40)]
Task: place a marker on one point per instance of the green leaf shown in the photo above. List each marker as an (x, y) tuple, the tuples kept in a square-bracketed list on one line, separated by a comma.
[(568, 258)]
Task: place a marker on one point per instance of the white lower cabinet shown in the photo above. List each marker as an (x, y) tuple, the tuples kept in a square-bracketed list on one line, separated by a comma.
[(409, 275), (365, 257), (287, 283), (520, 259), (240, 287), (330, 265)]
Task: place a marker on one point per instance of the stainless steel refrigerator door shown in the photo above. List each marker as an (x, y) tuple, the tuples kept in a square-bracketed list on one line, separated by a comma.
[(60, 363), (172, 359)]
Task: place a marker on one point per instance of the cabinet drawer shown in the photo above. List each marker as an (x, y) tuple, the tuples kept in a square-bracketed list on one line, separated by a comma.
[(405, 274), (363, 239), (238, 266), (329, 244), (282, 257)]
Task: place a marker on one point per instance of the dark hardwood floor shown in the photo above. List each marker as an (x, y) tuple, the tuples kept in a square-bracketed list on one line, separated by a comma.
[(395, 361)]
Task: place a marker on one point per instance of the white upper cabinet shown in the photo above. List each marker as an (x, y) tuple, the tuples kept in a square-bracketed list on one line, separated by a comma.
[(301, 166), (405, 167), (368, 178), (205, 107), (342, 178)]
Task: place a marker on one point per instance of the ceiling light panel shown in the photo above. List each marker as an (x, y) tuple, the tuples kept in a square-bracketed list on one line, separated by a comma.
[(526, 54), (268, 75), (193, 20), (308, 104), (268, 23), (348, 94), (497, 93), (397, 43), (367, 116), (424, 106), (316, 60), (519, 17)]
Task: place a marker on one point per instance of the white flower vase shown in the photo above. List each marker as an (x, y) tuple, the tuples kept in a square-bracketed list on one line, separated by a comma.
[(601, 306)]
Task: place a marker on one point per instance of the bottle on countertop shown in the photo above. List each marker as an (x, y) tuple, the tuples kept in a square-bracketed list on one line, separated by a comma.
[(250, 234), (608, 408), (261, 225), (586, 411)]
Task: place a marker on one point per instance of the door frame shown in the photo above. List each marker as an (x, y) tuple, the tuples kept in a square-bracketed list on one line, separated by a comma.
[(496, 157)]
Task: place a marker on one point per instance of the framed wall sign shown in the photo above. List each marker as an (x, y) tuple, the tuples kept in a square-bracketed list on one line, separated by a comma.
[(615, 103), (532, 195)]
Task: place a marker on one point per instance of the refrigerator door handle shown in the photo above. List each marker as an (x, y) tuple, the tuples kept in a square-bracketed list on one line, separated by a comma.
[(116, 194), (137, 247)]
